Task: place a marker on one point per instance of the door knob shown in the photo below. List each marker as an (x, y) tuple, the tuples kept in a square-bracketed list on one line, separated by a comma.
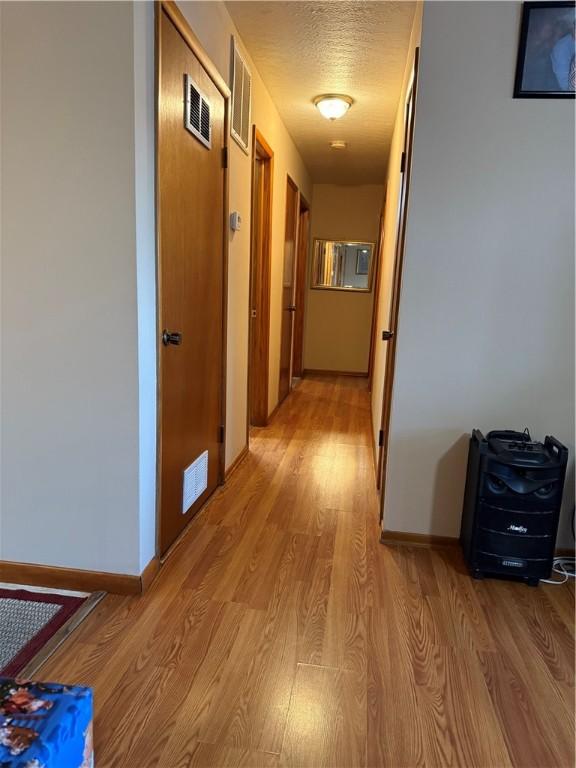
[(171, 338), (387, 335)]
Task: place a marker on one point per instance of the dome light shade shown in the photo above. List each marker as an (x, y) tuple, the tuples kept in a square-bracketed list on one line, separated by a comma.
[(333, 105)]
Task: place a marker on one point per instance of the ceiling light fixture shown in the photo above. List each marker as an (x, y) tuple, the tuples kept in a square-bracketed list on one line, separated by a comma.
[(338, 144), (333, 105)]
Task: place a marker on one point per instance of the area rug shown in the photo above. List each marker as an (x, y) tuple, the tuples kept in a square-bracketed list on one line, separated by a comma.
[(33, 624)]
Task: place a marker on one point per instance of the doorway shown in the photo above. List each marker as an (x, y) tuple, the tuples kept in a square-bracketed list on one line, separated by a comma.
[(300, 289), (191, 186), (288, 285), (390, 334), (261, 236)]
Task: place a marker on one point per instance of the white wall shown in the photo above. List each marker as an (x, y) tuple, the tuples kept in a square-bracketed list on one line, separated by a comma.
[(388, 247), (338, 324), (144, 170), (70, 406), (486, 327), (78, 300)]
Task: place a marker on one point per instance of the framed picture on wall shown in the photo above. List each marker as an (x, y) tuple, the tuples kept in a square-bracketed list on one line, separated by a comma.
[(546, 68), (362, 261)]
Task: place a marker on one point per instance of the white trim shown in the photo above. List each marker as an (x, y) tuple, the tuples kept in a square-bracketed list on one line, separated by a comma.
[(45, 590)]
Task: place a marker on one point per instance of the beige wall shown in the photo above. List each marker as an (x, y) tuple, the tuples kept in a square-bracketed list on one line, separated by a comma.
[(69, 420), (214, 27), (338, 323), (78, 298), (486, 328), (384, 297)]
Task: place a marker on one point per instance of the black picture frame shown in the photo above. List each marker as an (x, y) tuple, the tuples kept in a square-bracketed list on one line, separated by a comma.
[(534, 62)]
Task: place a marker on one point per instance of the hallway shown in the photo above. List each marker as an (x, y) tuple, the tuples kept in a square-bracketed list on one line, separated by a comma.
[(282, 633)]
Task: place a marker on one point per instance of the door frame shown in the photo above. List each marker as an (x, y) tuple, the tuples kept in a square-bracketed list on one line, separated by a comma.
[(405, 170), (300, 289), (174, 14), (291, 188), (261, 301), (378, 266)]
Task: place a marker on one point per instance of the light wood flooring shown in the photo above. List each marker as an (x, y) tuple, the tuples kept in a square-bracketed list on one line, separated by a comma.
[(282, 633)]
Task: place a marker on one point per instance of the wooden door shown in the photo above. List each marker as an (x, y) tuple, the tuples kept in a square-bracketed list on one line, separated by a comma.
[(288, 283), (378, 265), (191, 278), (389, 335), (300, 290), (262, 175)]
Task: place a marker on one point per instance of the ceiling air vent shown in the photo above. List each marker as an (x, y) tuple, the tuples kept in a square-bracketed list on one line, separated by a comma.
[(197, 117), (241, 97)]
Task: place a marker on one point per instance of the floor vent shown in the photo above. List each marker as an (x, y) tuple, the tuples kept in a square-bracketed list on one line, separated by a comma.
[(241, 99), (197, 115), (195, 481)]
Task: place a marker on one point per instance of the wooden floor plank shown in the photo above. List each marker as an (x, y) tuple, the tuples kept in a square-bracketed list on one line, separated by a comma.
[(528, 740), (200, 755), (460, 725), (183, 706), (281, 632), (326, 722)]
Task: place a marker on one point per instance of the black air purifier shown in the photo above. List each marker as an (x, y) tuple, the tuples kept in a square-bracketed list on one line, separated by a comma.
[(512, 504)]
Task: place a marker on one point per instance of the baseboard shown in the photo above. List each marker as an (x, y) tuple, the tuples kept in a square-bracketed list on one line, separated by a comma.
[(275, 410), (374, 450), (77, 579), (417, 539), (564, 552), (428, 540), (149, 574), (322, 372), (236, 463)]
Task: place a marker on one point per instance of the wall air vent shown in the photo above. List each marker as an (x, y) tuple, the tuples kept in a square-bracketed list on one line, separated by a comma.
[(195, 481), (241, 99), (197, 116)]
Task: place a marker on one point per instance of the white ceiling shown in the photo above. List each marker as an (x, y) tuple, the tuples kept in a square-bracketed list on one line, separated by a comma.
[(303, 49)]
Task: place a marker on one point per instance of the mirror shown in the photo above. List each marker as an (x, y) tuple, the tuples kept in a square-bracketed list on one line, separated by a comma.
[(342, 265)]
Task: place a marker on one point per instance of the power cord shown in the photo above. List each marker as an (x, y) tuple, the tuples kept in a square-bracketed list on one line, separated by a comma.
[(566, 567)]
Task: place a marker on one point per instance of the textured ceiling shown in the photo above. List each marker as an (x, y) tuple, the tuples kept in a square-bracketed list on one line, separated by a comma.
[(303, 49)]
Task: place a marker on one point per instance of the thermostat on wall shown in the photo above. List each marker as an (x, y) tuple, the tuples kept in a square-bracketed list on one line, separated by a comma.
[(235, 221)]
